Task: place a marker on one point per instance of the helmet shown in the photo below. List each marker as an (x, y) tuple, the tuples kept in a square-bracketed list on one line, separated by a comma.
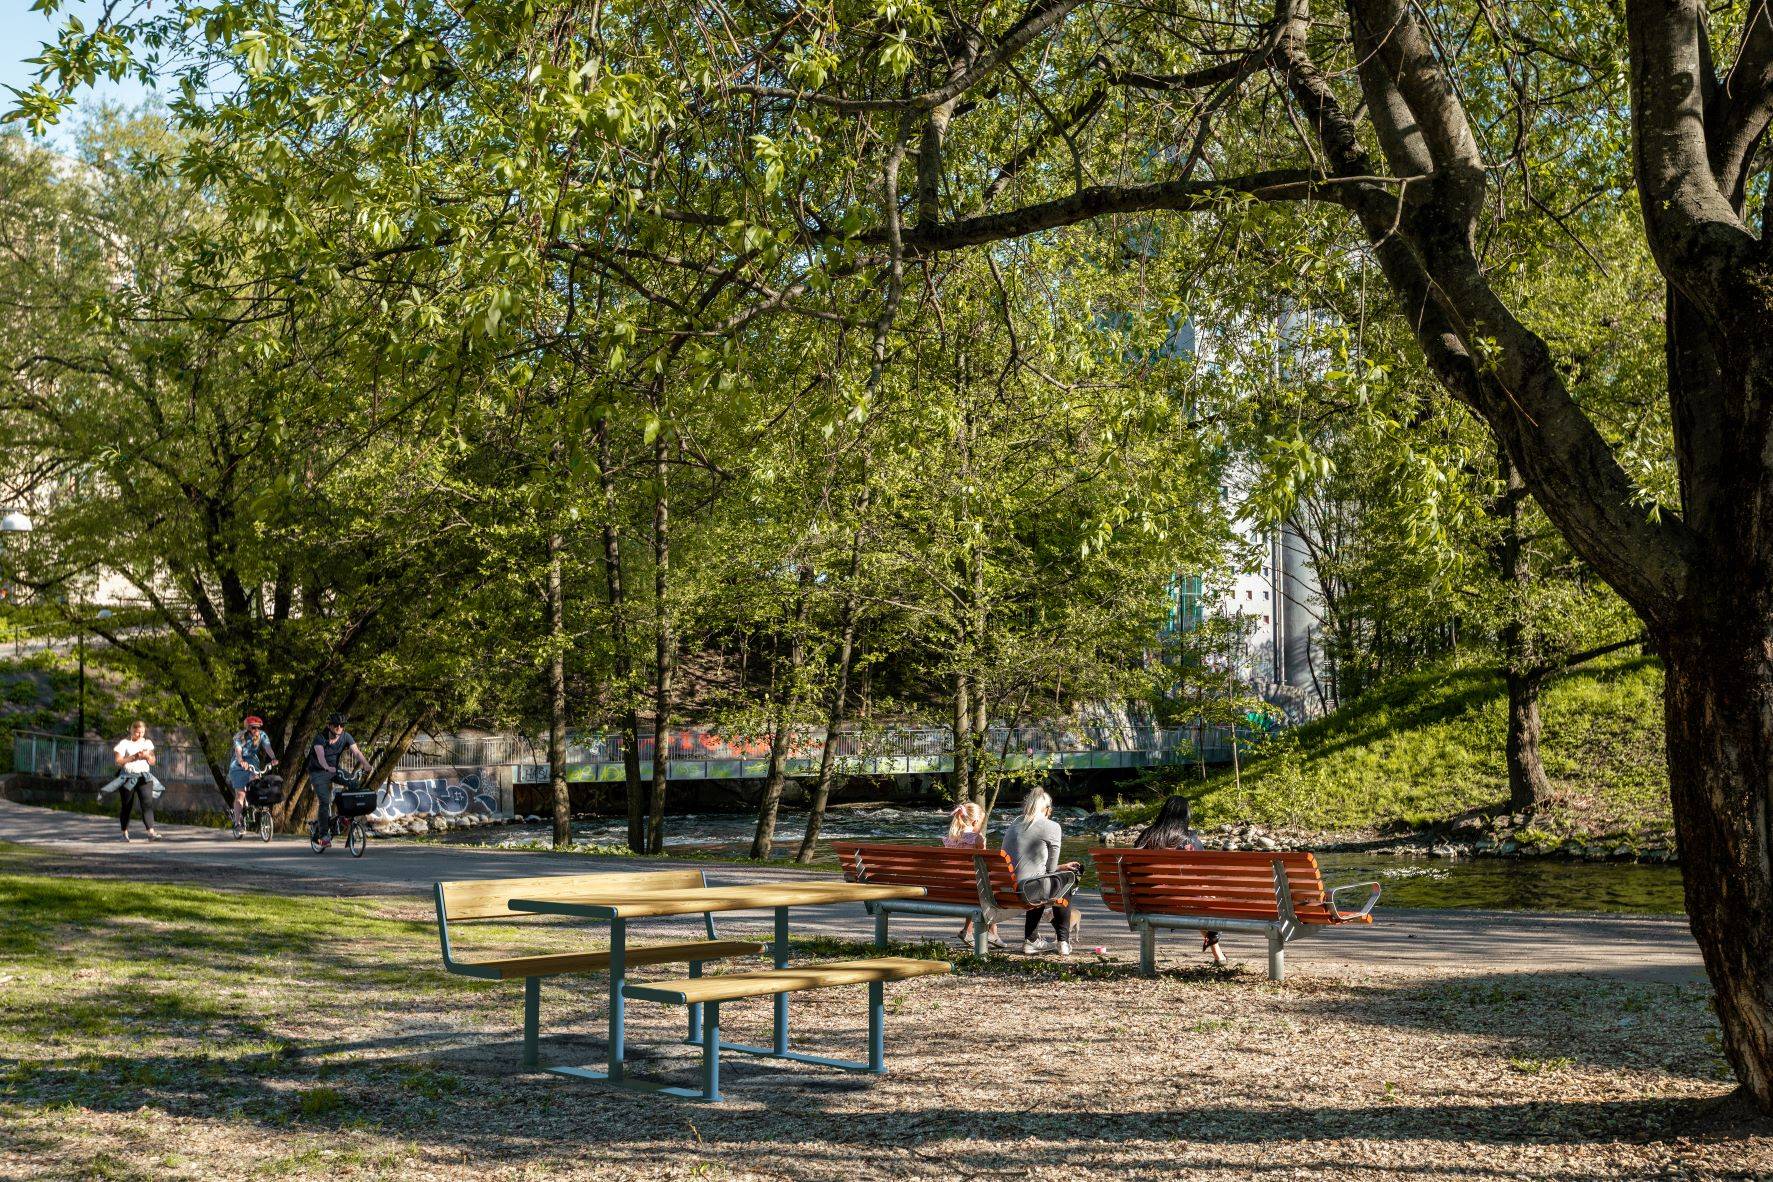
[(252, 720), (335, 719)]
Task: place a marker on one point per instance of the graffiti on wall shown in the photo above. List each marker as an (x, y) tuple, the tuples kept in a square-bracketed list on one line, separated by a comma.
[(440, 792)]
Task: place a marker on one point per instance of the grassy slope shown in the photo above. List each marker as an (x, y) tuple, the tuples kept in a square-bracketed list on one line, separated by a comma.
[(1429, 746)]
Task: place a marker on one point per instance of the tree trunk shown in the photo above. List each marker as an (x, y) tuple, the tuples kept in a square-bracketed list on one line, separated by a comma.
[(959, 781), (621, 642), (834, 713), (770, 806), (663, 648), (563, 818), (1719, 710), (1529, 790)]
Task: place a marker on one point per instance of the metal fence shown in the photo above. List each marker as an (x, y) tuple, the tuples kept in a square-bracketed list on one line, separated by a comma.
[(57, 757), (692, 753), (693, 743)]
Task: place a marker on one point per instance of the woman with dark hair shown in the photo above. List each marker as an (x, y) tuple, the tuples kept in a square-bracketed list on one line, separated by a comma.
[(1173, 829)]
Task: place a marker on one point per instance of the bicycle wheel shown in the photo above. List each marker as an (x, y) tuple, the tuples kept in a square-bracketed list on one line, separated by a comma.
[(356, 837), (266, 823)]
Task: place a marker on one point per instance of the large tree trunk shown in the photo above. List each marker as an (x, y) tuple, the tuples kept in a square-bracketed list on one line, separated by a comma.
[(563, 816), (1719, 709), (664, 648), (621, 643), (1528, 788)]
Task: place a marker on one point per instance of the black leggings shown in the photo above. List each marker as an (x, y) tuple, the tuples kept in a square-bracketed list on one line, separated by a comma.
[(1061, 913), (127, 795)]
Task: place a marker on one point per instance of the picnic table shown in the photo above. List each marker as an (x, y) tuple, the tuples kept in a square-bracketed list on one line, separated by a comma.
[(621, 906)]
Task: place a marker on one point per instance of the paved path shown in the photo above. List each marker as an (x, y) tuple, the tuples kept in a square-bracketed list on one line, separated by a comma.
[(1480, 942)]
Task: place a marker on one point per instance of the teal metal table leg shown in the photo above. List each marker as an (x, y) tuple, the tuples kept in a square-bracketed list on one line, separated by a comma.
[(781, 1039), (877, 1027), (532, 1019), (618, 969), (711, 1053)]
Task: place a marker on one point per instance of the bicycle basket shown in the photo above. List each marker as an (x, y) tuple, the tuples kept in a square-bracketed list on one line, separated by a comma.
[(265, 791), (354, 804)]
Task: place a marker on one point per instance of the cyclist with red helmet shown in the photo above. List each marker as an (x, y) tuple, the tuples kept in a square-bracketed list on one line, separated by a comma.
[(252, 757)]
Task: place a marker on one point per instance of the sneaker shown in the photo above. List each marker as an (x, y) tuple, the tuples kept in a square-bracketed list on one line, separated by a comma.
[(126, 835), (1031, 947), (995, 941), (153, 836), (1064, 948)]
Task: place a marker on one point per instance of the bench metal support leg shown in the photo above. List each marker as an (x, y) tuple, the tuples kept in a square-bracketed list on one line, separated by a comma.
[(877, 1027), (1277, 956), (781, 1023), (618, 970), (1148, 950), (532, 1019), (979, 947), (711, 1053), (880, 927), (695, 1010)]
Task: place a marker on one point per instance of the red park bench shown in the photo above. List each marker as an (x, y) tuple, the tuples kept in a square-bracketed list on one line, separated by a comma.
[(966, 883), (1281, 895)]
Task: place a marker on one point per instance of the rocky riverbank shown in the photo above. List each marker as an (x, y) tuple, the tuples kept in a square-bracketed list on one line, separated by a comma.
[(1501, 836)]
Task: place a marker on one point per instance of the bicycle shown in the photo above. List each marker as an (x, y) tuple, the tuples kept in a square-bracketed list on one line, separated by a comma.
[(350, 811), (262, 793)]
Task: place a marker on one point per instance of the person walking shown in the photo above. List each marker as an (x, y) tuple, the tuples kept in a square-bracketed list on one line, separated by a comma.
[(137, 786), (1173, 829), (1032, 843), (329, 748)]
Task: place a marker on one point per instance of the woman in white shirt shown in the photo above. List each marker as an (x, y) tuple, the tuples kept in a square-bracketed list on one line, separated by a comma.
[(135, 759)]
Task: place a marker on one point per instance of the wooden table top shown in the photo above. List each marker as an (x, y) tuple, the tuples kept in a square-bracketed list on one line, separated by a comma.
[(616, 904)]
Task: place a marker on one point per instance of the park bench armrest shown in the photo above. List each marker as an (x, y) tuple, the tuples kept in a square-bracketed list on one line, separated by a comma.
[(1341, 916)]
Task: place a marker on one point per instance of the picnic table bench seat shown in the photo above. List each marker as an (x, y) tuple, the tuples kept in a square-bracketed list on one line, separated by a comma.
[(710, 992), (968, 883), (1280, 894), (469, 900)]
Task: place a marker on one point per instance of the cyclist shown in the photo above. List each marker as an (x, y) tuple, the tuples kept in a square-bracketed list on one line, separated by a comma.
[(329, 747), (252, 757)]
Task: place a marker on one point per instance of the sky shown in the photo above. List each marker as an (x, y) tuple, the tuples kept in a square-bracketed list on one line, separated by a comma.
[(22, 33)]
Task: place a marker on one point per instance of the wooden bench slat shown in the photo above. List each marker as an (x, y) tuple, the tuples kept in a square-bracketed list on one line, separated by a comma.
[(555, 964), (769, 982)]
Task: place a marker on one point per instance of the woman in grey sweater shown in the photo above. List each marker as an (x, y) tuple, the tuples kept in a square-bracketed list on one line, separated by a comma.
[(1032, 843)]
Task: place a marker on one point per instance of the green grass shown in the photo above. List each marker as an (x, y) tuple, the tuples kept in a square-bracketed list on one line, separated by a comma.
[(1429, 746)]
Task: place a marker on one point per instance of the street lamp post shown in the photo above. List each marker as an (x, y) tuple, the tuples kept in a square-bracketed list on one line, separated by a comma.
[(14, 522)]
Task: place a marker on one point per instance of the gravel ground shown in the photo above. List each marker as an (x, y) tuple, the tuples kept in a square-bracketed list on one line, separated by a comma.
[(357, 1058)]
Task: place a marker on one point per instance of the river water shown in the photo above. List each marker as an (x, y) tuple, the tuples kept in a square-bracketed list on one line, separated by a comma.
[(1510, 884)]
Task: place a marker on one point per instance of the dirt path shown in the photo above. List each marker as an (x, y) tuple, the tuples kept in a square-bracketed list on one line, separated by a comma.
[(1652, 948)]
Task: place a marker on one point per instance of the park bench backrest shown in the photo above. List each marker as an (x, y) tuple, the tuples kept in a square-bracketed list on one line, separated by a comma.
[(947, 875), (486, 898), (1209, 882)]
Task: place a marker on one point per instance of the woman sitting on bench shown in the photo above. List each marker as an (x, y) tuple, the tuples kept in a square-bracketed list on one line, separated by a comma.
[(1173, 829), (1033, 846)]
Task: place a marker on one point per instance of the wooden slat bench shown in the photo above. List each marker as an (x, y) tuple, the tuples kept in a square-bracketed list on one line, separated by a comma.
[(710, 992), (1281, 895), (968, 883), (467, 900)]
